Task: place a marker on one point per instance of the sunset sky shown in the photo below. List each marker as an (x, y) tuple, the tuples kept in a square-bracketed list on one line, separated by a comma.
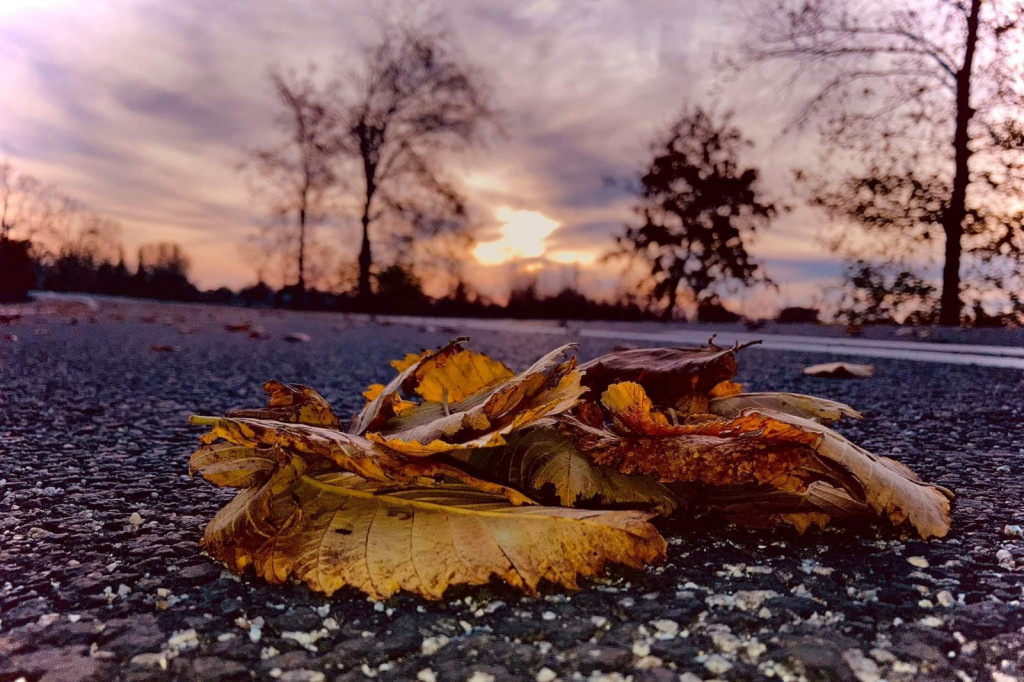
[(143, 109)]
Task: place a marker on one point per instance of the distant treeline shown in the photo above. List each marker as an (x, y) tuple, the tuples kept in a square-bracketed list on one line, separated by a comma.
[(162, 274)]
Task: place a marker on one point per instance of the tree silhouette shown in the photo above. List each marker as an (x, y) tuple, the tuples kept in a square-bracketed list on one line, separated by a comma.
[(412, 101), (885, 295), (931, 94), (298, 178), (696, 208)]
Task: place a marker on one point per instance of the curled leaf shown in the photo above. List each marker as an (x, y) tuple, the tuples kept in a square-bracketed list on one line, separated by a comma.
[(231, 465), (890, 488), (349, 453), (669, 375), (632, 410), (807, 406), (551, 386), (382, 407), (293, 404)]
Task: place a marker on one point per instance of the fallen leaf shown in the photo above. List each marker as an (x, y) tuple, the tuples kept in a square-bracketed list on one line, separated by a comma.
[(382, 406), (337, 530), (890, 488), (434, 483), (460, 376), (811, 407), (297, 337), (551, 386), (546, 464), (293, 404), (840, 370), (667, 374), (233, 466), (348, 452)]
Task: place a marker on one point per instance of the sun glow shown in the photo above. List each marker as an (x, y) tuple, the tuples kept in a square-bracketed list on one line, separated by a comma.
[(522, 236), (569, 257)]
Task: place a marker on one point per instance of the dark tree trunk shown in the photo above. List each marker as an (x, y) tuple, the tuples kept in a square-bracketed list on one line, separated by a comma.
[(365, 255), (670, 308), (301, 284), (365, 261), (953, 221)]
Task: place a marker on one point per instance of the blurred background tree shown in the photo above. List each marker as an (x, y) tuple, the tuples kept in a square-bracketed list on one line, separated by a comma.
[(697, 209), (921, 106), (412, 101), (297, 179)]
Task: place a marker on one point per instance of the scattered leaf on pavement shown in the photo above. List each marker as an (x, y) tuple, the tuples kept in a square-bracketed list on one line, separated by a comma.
[(840, 370)]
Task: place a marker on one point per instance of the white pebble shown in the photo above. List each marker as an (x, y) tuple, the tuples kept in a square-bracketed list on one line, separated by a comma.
[(864, 669), (945, 598), (918, 561), (479, 676), (431, 645), (717, 665), (546, 675), (648, 662), (426, 675), (135, 519), (666, 627)]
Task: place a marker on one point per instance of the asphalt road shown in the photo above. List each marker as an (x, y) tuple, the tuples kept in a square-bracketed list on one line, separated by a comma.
[(93, 430)]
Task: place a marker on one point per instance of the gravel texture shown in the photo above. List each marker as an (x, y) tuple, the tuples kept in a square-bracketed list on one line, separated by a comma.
[(101, 577)]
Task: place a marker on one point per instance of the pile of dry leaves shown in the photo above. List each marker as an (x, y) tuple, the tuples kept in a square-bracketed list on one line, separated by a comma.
[(460, 470)]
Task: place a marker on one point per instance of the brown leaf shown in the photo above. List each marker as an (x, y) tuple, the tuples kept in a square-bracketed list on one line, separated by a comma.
[(708, 460), (890, 488), (764, 506), (294, 404), (669, 375), (840, 370), (338, 530)]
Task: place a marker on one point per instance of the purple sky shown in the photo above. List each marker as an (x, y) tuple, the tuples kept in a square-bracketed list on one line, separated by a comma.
[(142, 109)]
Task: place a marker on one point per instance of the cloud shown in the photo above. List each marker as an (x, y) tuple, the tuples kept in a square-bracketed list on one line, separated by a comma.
[(142, 109)]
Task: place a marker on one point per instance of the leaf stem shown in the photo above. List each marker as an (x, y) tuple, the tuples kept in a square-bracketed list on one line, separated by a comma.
[(199, 420)]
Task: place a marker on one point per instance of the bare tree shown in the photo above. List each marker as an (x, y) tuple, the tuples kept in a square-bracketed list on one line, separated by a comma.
[(696, 207), (298, 177), (34, 211), (411, 101), (930, 86)]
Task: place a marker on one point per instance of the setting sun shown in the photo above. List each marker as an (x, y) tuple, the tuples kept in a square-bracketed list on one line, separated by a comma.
[(522, 236)]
